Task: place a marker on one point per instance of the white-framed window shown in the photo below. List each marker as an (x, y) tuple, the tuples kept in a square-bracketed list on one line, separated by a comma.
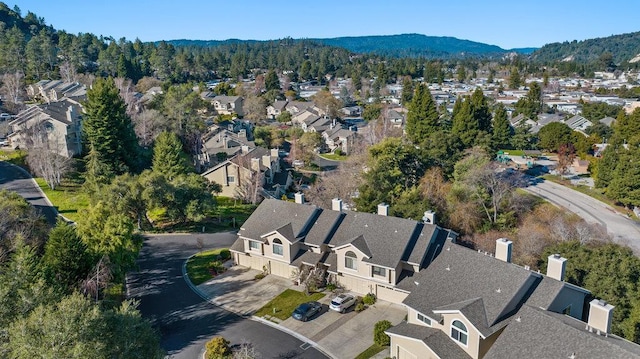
[(459, 332), (254, 246), (350, 260), (277, 247), (231, 179), (379, 271), (423, 318)]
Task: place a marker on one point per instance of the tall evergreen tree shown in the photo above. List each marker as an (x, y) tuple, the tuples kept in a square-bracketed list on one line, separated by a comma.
[(422, 118), (66, 259), (107, 128), (502, 132), (464, 127), (480, 110), (168, 156), (271, 81)]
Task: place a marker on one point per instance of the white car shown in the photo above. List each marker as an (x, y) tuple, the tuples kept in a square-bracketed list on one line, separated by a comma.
[(342, 302), (4, 116), (298, 163)]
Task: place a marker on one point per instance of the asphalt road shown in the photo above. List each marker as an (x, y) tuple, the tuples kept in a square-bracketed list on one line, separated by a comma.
[(622, 229), (16, 179), (184, 319)]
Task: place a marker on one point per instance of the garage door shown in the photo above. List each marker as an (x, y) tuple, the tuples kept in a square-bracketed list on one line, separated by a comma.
[(280, 269), (354, 284), (390, 295), (405, 354)]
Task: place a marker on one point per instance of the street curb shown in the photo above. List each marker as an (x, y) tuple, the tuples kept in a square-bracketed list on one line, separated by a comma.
[(298, 336), (42, 193), (293, 334)]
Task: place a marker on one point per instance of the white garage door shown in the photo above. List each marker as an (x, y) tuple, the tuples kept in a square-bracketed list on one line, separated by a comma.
[(404, 354), (280, 269), (390, 295)]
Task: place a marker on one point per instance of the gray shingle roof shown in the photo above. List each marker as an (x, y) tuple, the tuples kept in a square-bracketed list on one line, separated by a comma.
[(238, 245), (324, 227), (419, 249), (307, 257), (541, 334), (437, 340), (273, 213), (386, 237), (460, 276)]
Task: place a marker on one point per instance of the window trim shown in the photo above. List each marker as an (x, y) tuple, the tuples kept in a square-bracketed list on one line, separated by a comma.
[(374, 268), (277, 243), (257, 244), (353, 259), (425, 320), (459, 333), (231, 179)]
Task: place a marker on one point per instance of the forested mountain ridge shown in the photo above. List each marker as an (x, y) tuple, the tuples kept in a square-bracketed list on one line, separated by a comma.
[(404, 45), (623, 47)]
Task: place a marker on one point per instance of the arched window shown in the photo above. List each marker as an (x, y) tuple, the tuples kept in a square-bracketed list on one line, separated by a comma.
[(277, 247), (350, 260), (459, 332)]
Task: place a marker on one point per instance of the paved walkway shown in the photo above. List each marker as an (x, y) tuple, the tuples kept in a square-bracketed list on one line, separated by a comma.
[(337, 335)]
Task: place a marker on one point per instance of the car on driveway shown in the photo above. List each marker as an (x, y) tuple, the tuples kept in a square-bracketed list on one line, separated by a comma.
[(342, 302), (306, 311)]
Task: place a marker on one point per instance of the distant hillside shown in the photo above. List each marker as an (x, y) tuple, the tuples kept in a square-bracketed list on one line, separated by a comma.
[(413, 45), (623, 47), (406, 45)]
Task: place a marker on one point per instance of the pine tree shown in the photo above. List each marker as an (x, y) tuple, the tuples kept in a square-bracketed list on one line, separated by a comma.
[(515, 81), (422, 118), (271, 81), (464, 127), (168, 156), (502, 132), (480, 110), (107, 128)]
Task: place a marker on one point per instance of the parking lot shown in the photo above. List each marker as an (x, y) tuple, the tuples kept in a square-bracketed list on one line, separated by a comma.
[(341, 335)]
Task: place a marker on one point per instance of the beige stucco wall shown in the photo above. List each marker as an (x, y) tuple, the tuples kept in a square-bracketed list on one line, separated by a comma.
[(286, 248), (221, 174), (406, 348), (473, 343)]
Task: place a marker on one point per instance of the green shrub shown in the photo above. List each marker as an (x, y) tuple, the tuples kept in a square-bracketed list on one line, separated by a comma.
[(360, 307), (379, 337), (217, 267), (217, 348), (369, 299), (338, 152), (225, 254), (259, 276), (331, 287)]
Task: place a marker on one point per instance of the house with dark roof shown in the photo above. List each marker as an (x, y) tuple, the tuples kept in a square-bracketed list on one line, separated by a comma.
[(62, 121), (362, 252), (470, 304), (225, 105), (276, 108)]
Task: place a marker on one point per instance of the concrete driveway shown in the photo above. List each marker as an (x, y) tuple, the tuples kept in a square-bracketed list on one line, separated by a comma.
[(345, 335), (237, 290)]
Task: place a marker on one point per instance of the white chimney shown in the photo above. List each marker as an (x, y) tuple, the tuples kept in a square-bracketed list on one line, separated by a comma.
[(503, 249), (383, 209), (245, 149), (336, 204), (600, 315), (299, 197), (255, 164), (429, 217), (274, 153), (556, 266)]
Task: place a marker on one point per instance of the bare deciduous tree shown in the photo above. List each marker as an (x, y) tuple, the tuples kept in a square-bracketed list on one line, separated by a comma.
[(250, 186), (44, 157), (245, 351), (68, 72), (12, 90), (98, 279), (127, 93), (148, 124)]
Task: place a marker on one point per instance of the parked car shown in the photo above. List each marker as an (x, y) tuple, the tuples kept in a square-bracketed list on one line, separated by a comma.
[(4, 116), (298, 163), (342, 302), (306, 311)]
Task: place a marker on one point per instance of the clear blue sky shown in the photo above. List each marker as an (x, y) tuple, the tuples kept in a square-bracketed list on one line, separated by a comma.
[(508, 24)]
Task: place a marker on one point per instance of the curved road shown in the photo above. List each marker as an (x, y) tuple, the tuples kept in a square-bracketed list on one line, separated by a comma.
[(622, 229), (16, 179), (184, 319)]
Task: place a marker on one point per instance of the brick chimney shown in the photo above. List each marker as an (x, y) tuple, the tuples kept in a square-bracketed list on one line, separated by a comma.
[(556, 266), (600, 315), (503, 249)]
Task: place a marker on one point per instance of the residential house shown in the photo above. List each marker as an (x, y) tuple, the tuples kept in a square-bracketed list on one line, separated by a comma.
[(55, 90), (362, 252), (238, 174), (607, 121), (351, 111), (62, 120), (339, 138), (274, 110), (226, 105), (228, 137), (578, 123), (395, 118)]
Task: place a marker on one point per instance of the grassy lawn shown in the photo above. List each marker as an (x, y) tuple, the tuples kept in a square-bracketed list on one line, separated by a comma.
[(286, 303), (198, 265), (68, 198), (18, 157), (371, 351), (333, 157)]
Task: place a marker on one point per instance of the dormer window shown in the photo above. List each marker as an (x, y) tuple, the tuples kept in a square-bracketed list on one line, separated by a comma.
[(459, 332), (277, 247), (423, 318), (254, 245), (350, 260)]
